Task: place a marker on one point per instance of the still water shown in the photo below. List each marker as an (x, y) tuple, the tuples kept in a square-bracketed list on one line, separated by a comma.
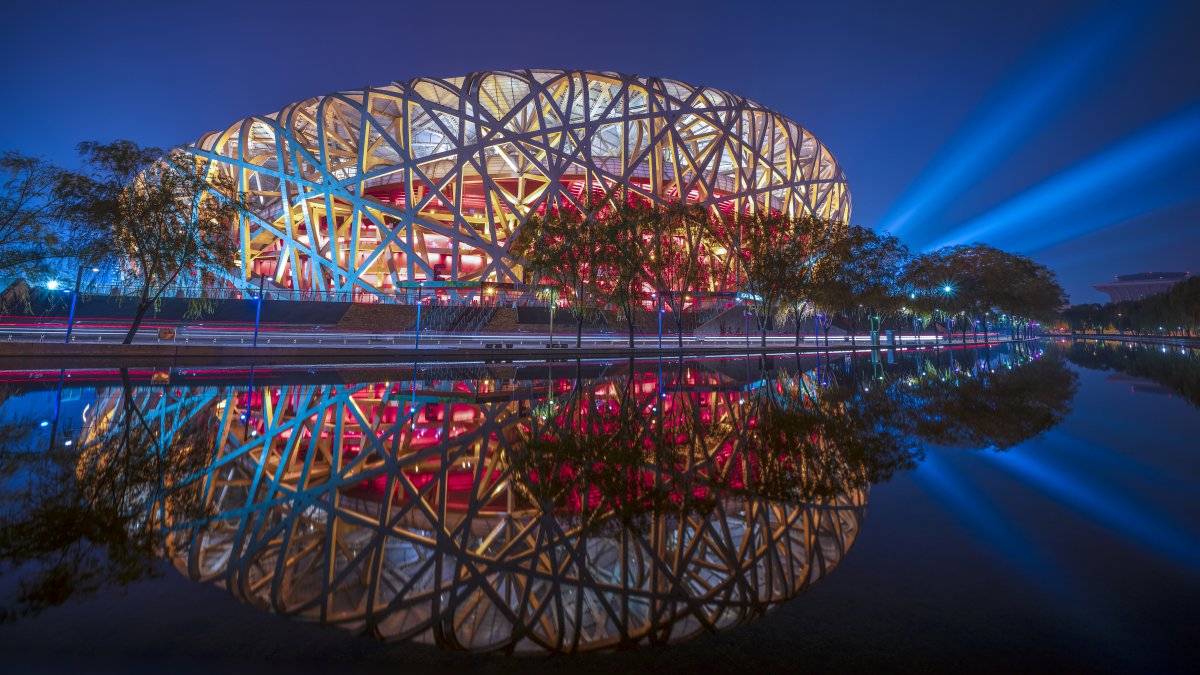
[(1030, 507)]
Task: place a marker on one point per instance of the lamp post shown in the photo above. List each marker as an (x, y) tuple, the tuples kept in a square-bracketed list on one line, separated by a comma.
[(948, 290), (551, 295), (746, 323), (660, 313), (258, 310), (420, 293), (57, 407), (74, 298)]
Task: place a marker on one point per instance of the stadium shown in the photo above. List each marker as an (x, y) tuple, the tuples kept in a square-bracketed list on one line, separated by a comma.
[(365, 194)]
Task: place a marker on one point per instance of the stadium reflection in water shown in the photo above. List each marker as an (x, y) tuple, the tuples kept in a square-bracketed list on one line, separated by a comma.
[(561, 508)]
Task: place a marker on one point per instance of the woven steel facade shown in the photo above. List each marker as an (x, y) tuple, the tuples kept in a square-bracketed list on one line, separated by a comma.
[(367, 192)]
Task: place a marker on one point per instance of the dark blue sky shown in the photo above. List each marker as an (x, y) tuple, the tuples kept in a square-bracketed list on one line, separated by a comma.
[(1066, 130)]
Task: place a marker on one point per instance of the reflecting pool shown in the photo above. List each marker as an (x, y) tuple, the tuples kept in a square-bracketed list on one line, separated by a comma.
[(666, 514)]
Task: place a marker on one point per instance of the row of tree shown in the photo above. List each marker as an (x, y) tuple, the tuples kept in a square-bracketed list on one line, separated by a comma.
[(625, 254), (162, 217), (1175, 312)]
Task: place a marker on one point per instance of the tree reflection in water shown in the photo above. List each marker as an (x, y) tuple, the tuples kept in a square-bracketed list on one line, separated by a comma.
[(1171, 366), (78, 518), (556, 515)]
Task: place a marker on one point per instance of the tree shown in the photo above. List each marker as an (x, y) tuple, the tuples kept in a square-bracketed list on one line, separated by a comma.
[(622, 276), (816, 237), (981, 284), (34, 203), (862, 275), (678, 260), (562, 246), (985, 282), (1082, 318), (1033, 291), (774, 259), (163, 215), (926, 280), (1177, 311)]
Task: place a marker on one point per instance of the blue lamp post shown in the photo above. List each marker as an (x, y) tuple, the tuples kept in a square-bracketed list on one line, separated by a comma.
[(74, 298), (258, 310), (660, 313), (746, 323)]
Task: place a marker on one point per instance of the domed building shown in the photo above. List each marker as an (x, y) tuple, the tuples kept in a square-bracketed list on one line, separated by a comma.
[(364, 193)]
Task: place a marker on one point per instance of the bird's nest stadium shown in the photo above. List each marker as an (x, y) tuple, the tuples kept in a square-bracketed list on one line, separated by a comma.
[(364, 193)]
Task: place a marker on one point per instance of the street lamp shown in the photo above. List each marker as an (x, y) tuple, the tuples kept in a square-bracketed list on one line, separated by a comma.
[(74, 297), (947, 290), (746, 323), (420, 293), (658, 301), (551, 295), (258, 309), (660, 315)]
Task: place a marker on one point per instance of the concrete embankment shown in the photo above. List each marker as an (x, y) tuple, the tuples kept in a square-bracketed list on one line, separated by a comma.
[(1144, 339), (31, 355)]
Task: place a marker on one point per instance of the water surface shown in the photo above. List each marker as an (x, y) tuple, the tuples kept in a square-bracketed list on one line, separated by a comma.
[(967, 509)]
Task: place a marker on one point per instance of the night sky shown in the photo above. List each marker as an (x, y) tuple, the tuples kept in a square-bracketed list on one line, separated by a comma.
[(1069, 131)]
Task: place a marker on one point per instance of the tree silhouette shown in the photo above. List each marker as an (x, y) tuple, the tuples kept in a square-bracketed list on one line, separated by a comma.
[(95, 514), (679, 258), (622, 279), (563, 246), (164, 215)]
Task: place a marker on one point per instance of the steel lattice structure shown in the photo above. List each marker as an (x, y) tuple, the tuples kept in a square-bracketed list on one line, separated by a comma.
[(394, 508), (364, 191)]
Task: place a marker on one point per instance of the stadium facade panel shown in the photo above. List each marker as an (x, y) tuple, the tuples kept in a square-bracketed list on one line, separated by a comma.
[(365, 193)]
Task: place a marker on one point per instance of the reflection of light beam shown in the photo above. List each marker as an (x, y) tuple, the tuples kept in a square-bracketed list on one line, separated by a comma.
[(1117, 167), (1005, 120), (1084, 451), (1104, 508), (982, 518)]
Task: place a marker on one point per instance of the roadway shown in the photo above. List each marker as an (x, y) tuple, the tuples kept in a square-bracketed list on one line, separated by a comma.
[(227, 336)]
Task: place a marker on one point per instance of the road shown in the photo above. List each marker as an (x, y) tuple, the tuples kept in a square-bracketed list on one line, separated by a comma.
[(226, 336)]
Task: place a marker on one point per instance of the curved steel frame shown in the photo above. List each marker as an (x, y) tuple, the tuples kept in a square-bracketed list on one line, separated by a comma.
[(364, 193)]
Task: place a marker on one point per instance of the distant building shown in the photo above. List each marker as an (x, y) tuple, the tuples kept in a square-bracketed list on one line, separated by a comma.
[(1138, 286)]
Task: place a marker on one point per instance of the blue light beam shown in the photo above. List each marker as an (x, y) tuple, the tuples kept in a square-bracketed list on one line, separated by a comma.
[(1007, 118), (1118, 168)]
